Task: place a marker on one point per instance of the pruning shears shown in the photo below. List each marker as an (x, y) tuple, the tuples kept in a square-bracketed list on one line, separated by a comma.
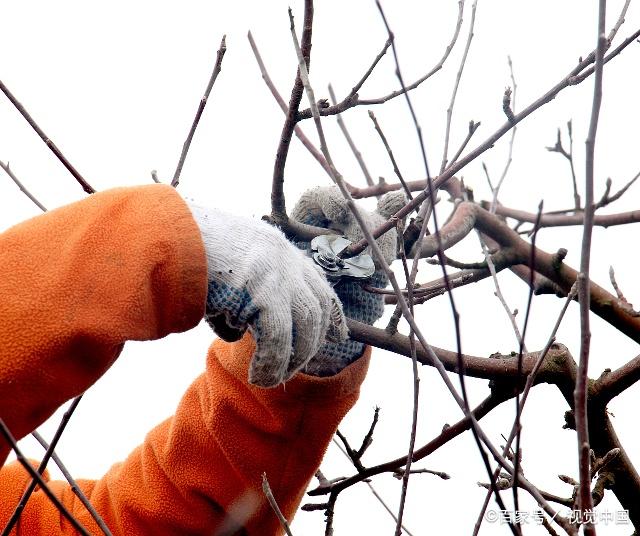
[(325, 252)]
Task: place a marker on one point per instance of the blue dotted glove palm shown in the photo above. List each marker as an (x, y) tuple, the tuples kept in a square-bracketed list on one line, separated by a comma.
[(326, 207)]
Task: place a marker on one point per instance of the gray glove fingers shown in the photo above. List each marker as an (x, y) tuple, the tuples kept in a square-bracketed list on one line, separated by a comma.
[(336, 330), (390, 203), (306, 210), (324, 207), (310, 322), (333, 205), (272, 331)]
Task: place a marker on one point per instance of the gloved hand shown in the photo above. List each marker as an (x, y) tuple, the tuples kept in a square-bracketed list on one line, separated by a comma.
[(259, 281), (326, 207)]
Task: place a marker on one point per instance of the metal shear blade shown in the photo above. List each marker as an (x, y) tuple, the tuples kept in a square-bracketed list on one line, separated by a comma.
[(325, 252)]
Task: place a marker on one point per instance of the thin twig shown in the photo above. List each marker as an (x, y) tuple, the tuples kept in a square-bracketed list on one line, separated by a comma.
[(573, 78), (431, 190), (203, 102), (512, 92), (283, 106), (415, 377), (408, 304), (608, 199), (614, 284), (365, 76), (531, 378), (582, 76), (383, 187), (274, 505), (521, 350), (498, 291), (574, 180), (456, 85), (350, 142), (43, 465), (553, 220), (329, 511), (440, 474), (387, 508), (368, 438), (48, 142), (392, 158), (624, 302), (448, 433), (580, 393), (19, 184), (8, 437), (351, 454), (459, 265), (559, 148), (473, 127), (433, 71), (353, 99), (619, 22), (75, 488), (343, 449)]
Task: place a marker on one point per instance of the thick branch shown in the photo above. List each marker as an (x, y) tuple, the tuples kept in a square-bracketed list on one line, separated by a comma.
[(612, 383), (602, 303), (497, 367), (562, 220), (278, 207)]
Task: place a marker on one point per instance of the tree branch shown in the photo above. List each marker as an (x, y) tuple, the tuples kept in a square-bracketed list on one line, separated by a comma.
[(203, 102), (278, 206), (570, 79), (19, 184), (10, 440), (48, 142)]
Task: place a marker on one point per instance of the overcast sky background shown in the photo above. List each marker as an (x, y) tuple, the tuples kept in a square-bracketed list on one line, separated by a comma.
[(116, 87)]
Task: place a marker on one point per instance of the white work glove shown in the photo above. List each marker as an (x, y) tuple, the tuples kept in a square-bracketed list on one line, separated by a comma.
[(326, 207), (259, 281)]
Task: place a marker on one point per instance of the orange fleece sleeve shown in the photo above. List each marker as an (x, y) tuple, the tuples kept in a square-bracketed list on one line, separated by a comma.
[(200, 471), (115, 267), (79, 281)]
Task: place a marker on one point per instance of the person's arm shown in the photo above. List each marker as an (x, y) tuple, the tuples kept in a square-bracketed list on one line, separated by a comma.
[(200, 471), (79, 281), (128, 264), (202, 467)]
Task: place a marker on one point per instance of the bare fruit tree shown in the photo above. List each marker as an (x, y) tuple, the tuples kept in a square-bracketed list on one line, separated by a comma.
[(443, 218)]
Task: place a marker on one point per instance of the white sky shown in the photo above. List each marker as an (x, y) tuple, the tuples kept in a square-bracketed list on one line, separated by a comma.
[(116, 86)]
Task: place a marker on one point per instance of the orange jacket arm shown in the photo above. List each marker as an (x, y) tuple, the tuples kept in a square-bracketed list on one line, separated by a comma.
[(202, 467), (79, 281)]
